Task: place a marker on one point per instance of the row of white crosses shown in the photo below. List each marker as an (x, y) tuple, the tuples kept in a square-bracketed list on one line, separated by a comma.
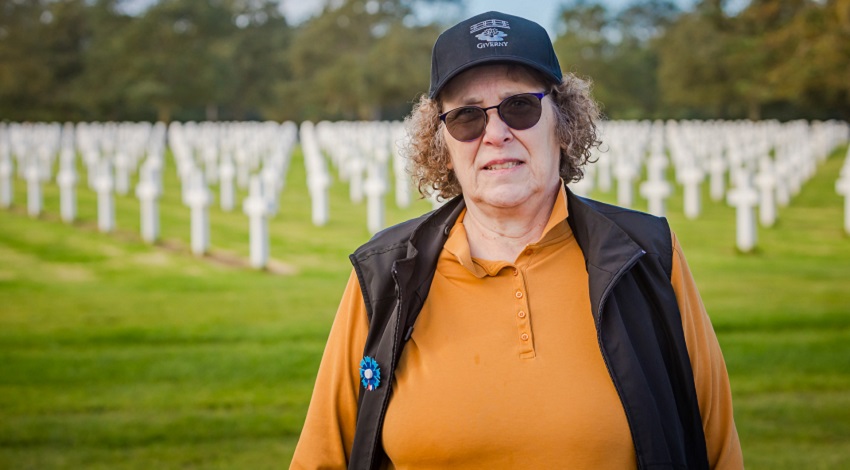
[(361, 152), (6, 169), (247, 155), (228, 154), (318, 176), (763, 182), (32, 149), (112, 153), (767, 163), (103, 147)]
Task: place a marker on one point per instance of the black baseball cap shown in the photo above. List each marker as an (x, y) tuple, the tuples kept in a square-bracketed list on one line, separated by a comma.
[(492, 37)]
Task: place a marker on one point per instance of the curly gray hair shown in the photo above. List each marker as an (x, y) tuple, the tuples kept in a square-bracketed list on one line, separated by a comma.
[(577, 114)]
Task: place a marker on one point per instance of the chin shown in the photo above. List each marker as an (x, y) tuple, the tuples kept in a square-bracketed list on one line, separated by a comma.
[(505, 200)]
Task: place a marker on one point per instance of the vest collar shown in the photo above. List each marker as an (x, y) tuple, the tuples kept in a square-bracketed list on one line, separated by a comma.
[(608, 250)]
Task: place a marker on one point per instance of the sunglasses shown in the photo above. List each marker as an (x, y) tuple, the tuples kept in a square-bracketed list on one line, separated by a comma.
[(519, 112)]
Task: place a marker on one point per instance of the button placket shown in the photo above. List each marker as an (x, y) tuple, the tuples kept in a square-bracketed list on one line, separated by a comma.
[(524, 337)]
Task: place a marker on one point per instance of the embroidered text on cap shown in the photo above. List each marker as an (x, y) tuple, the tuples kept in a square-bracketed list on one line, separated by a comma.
[(494, 37)]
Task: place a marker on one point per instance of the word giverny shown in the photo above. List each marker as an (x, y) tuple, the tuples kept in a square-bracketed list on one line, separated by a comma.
[(756, 167)]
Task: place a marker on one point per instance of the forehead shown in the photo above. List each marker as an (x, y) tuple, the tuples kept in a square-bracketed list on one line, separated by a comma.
[(506, 78)]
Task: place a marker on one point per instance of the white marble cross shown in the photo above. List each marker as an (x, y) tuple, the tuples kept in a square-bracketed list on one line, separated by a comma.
[(271, 180), (656, 189), (226, 173), (318, 179), (243, 167), (34, 196), (122, 173), (375, 188), (148, 192), (318, 184), (7, 172), (185, 173), (257, 208), (842, 187), (625, 174), (691, 177), (717, 176), (744, 198), (198, 200), (209, 154), (103, 185), (45, 156), (67, 181), (355, 167), (91, 159), (766, 183), (782, 170)]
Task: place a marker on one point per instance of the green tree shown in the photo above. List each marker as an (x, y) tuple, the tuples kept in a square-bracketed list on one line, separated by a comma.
[(41, 54), (583, 45), (173, 58), (813, 67), (775, 59), (617, 53), (360, 59), (693, 72), (401, 73), (756, 48), (98, 93), (257, 60)]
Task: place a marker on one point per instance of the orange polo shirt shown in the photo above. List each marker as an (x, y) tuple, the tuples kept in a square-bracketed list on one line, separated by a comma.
[(503, 371)]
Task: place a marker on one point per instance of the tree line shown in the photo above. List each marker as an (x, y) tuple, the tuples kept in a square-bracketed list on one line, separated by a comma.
[(92, 60)]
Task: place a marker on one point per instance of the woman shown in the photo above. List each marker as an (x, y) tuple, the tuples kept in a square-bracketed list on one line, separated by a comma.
[(518, 325)]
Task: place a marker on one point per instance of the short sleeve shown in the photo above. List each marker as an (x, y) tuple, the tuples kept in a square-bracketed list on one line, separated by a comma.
[(328, 431), (710, 376)]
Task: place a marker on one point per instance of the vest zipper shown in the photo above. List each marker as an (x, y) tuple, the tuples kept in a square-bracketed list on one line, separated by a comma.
[(391, 371), (619, 274)]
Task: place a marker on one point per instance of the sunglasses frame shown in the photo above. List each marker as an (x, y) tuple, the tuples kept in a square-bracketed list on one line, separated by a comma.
[(498, 109)]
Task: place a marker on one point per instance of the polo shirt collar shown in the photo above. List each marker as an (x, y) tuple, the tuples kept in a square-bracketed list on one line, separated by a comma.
[(458, 243)]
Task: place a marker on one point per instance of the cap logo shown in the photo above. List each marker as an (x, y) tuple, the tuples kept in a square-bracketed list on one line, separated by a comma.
[(491, 36)]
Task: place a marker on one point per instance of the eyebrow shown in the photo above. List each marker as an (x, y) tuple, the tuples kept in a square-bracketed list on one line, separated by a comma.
[(477, 100)]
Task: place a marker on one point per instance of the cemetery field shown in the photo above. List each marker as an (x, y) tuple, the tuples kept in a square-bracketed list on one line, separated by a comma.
[(116, 354)]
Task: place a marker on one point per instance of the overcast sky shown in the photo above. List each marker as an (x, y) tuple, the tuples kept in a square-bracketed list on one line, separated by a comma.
[(542, 11)]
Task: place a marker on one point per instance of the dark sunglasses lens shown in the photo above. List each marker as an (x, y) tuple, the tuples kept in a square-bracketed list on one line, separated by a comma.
[(465, 124), (521, 111)]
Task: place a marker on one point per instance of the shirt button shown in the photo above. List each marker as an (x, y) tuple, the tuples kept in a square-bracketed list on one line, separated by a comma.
[(515, 271), (524, 336), (529, 252), (518, 294), (521, 314)]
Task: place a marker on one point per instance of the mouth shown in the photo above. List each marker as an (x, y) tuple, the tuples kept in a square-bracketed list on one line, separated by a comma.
[(503, 165)]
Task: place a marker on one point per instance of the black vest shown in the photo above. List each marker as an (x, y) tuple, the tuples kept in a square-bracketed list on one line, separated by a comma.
[(628, 256)]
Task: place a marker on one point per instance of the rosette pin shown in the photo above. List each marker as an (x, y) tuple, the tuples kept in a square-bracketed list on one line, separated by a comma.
[(370, 373)]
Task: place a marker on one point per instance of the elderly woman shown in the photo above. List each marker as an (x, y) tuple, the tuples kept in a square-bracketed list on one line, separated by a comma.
[(518, 325)]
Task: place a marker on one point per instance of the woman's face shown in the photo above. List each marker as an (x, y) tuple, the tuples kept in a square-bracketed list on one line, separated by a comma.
[(504, 168)]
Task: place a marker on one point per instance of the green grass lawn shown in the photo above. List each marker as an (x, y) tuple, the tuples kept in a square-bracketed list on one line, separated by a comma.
[(116, 354)]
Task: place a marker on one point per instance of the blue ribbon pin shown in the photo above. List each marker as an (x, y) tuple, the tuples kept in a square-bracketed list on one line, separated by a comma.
[(370, 373)]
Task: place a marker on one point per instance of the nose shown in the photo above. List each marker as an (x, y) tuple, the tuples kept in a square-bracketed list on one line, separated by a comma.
[(495, 130)]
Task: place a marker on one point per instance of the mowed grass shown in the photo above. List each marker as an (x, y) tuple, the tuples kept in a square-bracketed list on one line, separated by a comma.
[(116, 354)]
